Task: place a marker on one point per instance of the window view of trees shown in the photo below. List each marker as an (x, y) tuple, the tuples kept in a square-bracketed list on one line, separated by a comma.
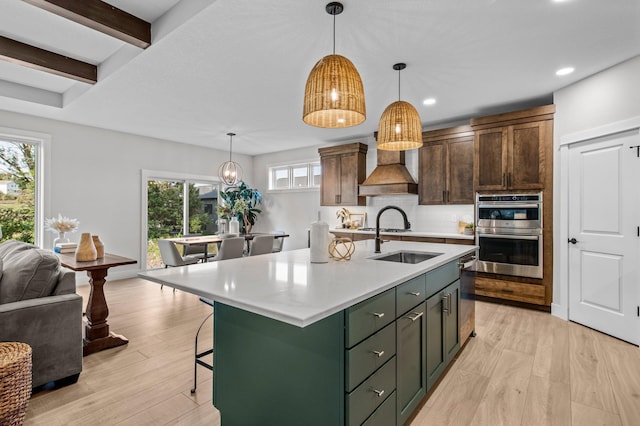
[(17, 190), (165, 213)]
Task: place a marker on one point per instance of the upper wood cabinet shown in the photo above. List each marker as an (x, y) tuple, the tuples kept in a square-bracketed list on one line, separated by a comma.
[(446, 167), (510, 149), (344, 167)]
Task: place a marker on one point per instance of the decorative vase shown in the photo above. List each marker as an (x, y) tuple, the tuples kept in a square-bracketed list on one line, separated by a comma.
[(99, 246), (223, 226), (234, 226), (60, 239), (86, 250)]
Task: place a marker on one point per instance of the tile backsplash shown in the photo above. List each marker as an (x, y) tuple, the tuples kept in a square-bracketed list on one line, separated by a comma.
[(423, 218)]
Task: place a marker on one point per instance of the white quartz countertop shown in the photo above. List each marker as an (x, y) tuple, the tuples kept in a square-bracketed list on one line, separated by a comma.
[(285, 286), (409, 233)]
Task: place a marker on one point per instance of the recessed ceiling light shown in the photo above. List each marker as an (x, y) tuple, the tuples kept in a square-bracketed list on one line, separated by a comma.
[(565, 71), (429, 101)]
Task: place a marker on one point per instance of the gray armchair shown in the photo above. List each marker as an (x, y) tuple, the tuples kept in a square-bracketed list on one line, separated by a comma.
[(39, 306)]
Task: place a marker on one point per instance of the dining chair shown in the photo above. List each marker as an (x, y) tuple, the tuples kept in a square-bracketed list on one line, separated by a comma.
[(278, 241), (196, 251), (171, 255), (261, 244), (230, 248)]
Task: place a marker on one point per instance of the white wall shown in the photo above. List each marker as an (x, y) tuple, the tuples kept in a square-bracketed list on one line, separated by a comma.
[(294, 211), (604, 99), (95, 177), (609, 96)]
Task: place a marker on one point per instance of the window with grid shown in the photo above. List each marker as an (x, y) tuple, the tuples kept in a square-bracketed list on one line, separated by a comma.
[(295, 176)]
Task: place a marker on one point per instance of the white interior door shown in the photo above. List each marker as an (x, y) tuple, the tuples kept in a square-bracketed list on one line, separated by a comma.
[(604, 216)]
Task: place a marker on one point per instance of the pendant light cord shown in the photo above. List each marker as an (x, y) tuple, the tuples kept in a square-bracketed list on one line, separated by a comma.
[(399, 84), (230, 146), (334, 34)]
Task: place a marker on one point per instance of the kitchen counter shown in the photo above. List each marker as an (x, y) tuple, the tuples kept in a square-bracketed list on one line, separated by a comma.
[(285, 286), (426, 234), (301, 343)]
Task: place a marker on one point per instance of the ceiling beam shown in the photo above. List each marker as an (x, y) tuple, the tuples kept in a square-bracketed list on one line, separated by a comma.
[(43, 60), (102, 17)]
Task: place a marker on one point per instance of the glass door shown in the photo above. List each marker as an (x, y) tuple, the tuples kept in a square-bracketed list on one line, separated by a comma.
[(165, 216), (175, 206)]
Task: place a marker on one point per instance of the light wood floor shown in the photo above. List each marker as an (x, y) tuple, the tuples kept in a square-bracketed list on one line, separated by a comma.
[(523, 368)]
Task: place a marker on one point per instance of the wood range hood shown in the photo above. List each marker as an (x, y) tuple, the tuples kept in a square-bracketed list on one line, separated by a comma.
[(390, 177)]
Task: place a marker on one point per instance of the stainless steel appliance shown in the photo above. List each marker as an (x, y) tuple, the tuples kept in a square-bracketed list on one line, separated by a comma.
[(509, 234)]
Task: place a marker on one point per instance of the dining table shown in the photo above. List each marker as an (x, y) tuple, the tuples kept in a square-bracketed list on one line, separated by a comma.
[(205, 240)]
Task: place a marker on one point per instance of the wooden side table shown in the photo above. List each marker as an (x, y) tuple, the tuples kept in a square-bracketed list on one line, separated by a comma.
[(97, 336)]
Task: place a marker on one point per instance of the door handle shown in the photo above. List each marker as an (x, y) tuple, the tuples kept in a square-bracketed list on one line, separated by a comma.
[(572, 241)]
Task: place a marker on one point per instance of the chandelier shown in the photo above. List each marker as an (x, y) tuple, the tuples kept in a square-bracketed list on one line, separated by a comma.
[(230, 172)]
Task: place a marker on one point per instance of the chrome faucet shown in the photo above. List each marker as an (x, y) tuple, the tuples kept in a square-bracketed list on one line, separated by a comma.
[(407, 225)]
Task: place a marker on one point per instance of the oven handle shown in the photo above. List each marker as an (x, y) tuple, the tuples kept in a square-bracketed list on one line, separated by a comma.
[(510, 237), (508, 206)]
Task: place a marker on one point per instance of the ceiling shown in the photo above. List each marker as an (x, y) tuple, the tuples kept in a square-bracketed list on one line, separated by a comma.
[(239, 65)]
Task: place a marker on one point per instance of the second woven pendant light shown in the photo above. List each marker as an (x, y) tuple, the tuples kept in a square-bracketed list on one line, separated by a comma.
[(400, 127)]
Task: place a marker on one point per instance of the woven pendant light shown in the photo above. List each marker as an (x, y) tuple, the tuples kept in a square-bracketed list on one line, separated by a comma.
[(230, 172), (400, 127), (334, 94)]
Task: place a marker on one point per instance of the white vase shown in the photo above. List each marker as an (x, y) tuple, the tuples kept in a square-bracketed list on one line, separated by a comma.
[(234, 226), (60, 239)]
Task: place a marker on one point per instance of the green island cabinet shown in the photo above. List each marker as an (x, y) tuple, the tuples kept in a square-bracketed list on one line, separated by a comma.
[(370, 364)]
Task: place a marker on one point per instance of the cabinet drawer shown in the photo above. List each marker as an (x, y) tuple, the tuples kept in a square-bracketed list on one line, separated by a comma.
[(366, 357), (369, 316), (360, 237), (520, 292), (441, 277), (371, 393), (385, 415), (459, 241), (410, 293)]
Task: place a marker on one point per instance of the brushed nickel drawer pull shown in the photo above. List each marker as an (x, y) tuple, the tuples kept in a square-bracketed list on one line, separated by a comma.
[(415, 293), (445, 304), (378, 353), (415, 316), (378, 392), (377, 314)]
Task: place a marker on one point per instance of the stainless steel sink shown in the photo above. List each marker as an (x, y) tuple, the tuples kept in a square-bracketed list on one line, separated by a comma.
[(407, 256)]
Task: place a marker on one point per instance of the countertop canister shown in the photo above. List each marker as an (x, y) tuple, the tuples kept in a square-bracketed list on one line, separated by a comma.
[(319, 240)]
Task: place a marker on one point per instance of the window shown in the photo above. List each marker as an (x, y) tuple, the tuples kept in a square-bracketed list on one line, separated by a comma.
[(20, 185), (294, 176), (176, 205)]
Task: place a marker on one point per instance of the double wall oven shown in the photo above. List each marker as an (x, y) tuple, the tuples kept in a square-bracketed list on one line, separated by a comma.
[(509, 234)]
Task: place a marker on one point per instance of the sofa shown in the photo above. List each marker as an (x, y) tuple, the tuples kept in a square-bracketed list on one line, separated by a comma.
[(39, 306)]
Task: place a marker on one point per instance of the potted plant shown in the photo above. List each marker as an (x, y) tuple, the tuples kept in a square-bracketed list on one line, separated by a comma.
[(468, 229), (242, 201), (343, 215)]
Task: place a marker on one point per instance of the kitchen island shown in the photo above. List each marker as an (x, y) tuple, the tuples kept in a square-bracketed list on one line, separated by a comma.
[(295, 342)]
